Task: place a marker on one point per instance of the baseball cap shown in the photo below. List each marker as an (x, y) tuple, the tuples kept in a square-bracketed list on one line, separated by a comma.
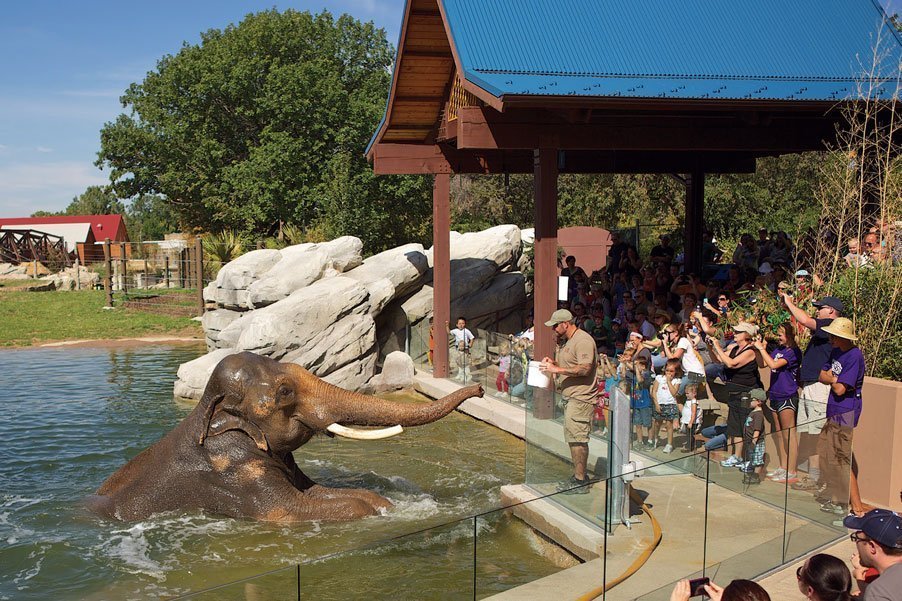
[(765, 268), (559, 316), (802, 273), (758, 394), (636, 335), (830, 301), (881, 525)]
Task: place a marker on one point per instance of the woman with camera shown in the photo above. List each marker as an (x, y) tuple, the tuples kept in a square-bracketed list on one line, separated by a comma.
[(740, 373)]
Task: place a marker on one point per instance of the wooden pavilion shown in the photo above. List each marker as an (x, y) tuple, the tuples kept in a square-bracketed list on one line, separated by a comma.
[(698, 87)]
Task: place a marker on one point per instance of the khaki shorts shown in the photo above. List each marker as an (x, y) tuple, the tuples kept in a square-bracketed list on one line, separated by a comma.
[(577, 421), (812, 408)]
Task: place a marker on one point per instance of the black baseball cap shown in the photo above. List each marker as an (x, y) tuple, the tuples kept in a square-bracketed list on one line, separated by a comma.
[(881, 525), (830, 301)]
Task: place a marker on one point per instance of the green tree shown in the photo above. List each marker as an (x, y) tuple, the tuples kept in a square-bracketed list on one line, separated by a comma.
[(95, 200), (150, 217), (242, 131)]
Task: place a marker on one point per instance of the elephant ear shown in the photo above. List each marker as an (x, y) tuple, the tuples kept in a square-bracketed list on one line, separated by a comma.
[(218, 419)]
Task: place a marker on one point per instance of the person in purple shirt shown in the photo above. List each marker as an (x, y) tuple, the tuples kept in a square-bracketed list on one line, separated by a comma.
[(784, 363), (844, 374)]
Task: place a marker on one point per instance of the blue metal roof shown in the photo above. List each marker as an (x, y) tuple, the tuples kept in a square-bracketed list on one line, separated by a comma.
[(727, 49)]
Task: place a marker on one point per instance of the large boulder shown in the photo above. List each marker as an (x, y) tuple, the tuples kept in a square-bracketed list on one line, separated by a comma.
[(499, 245), (391, 274), (397, 373), (301, 265), (296, 324), (229, 290), (193, 375), (214, 322), (75, 278)]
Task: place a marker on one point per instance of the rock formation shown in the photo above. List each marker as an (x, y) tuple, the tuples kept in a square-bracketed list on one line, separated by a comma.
[(323, 307)]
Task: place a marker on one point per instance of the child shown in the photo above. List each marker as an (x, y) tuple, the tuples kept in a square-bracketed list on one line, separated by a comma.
[(664, 391), (640, 401), (691, 418), (753, 439), (431, 354), (504, 363), (463, 340)]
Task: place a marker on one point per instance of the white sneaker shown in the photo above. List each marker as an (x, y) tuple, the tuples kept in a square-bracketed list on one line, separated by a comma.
[(777, 473), (731, 461), (668, 448)]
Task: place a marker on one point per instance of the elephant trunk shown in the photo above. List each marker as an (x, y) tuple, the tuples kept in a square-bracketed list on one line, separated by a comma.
[(351, 408)]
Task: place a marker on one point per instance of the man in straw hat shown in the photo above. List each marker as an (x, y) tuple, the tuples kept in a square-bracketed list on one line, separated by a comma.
[(574, 366), (843, 372)]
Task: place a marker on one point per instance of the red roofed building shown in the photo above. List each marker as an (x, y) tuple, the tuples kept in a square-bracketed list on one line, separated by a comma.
[(101, 228)]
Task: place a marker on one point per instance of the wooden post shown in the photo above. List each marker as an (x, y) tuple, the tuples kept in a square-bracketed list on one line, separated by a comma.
[(199, 273), (441, 271), (545, 173), (108, 280), (182, 263), (146, 280), (166, 270), (695, 222), (123, 272)]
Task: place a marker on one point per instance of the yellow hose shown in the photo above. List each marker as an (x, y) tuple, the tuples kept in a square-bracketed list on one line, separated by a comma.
[(639, 561)]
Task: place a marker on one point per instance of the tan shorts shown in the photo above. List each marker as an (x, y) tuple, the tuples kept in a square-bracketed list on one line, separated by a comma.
[(813, 408), (577, 421)]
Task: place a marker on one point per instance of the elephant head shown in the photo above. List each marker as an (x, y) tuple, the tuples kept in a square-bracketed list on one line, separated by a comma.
[(281, 406)]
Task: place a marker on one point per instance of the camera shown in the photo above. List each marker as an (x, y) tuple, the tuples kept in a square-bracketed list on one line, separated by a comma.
[(697, 587)]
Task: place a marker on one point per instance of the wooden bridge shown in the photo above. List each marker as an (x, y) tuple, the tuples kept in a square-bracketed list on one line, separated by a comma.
[(25, 246)]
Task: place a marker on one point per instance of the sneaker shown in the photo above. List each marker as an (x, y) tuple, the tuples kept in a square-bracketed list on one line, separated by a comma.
[(731, 461), (831, 507), (777, 473), (784, 478), (806, 484), (668, 448), (649, 445), (570, 486), (745, 467)]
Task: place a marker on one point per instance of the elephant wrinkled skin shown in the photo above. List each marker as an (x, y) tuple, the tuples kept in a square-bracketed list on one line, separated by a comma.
[(232, 454)]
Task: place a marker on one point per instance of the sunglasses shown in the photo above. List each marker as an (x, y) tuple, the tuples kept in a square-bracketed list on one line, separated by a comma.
[(723, 298), (799, 572)]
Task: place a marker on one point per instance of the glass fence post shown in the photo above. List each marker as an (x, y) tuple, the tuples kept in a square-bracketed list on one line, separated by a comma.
[(705, 529)]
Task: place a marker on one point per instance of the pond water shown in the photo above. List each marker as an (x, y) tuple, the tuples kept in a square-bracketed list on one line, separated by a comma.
[(72, 416)]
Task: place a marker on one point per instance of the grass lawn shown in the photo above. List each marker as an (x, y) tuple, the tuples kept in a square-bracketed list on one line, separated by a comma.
[(28, 318)]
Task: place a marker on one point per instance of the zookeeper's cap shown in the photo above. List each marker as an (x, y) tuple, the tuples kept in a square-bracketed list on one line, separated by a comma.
[(842, 327), (831, 301), (881, 525), (559, 316)]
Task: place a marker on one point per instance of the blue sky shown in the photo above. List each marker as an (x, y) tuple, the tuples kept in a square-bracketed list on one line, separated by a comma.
[(64, 64)]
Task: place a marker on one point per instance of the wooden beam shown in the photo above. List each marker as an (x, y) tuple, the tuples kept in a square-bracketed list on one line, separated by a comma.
[(413, 159), (484, 128), (441, 271), (546, 269)]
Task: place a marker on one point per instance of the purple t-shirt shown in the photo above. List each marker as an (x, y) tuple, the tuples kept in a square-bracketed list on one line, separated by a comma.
[(848, 366), (784, 381)]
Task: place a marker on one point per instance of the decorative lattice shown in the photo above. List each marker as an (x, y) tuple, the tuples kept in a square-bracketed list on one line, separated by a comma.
[(459, 98)]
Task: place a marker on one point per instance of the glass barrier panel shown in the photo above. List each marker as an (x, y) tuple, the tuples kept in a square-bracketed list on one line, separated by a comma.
[(438, 564), (818, 499), (278, 585), (665, 540), (420, 344)]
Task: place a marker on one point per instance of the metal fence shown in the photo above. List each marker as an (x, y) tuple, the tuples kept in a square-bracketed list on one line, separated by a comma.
[(160, 277)]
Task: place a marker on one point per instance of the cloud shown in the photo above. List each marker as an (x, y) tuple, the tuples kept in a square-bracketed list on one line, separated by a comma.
[(29, 187), (43, 149)]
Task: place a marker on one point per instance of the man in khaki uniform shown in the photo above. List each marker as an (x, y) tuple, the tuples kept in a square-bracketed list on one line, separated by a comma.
[(574, 367)]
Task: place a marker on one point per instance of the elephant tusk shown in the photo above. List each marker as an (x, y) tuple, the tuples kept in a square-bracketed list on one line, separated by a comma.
[(363, 434)]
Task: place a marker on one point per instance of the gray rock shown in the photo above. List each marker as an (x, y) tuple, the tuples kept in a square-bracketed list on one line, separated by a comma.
[(229, 290), (292, 323), (214, 322), (354, 376), (397, 373), (193, 375), (391, 274)]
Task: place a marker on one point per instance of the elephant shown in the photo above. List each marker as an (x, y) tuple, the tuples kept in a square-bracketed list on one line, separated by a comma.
[(232, 455)]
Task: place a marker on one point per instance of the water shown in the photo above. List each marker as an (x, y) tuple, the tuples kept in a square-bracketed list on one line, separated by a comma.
[(73, 416)]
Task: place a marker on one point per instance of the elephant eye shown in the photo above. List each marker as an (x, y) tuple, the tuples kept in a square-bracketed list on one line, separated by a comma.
[(285, 391)]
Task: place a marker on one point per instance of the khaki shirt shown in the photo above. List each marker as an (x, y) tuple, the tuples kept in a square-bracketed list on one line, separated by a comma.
[(578, 350)]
